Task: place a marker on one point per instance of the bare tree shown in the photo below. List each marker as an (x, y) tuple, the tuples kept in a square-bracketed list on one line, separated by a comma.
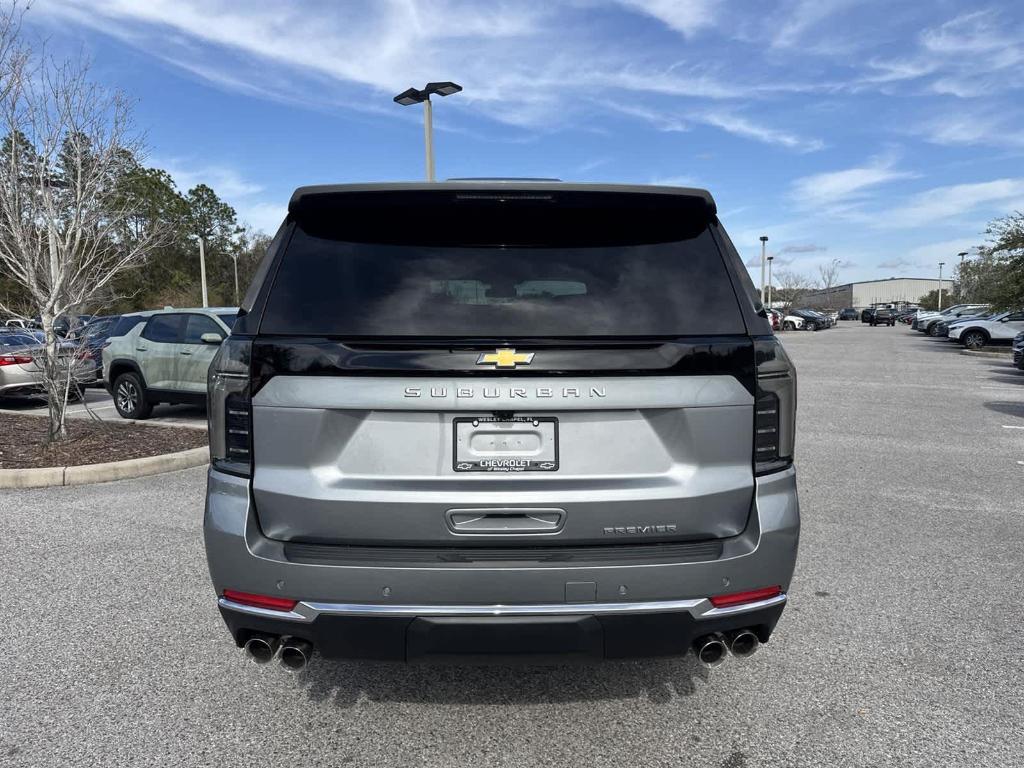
[(789, 285), (829, 274), (65, 230)]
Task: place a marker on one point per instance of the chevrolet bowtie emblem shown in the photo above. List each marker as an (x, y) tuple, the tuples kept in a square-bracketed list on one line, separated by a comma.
[(505, 358)]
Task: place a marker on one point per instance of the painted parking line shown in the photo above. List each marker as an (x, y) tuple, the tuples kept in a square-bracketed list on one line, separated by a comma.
[(1012, 426)]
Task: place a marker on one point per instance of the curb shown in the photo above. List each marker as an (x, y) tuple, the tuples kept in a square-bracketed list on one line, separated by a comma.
[(987, 353), (85, 474)]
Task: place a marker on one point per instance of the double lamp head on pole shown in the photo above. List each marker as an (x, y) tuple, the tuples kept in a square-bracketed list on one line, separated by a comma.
[(417, 96)]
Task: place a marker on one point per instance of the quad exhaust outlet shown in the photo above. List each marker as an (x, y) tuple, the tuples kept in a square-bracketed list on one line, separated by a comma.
[(743, 643), (295, 654), (261, 648), (711, 650)]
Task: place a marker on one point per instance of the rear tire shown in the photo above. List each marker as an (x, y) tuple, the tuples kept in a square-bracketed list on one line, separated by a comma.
[(974, 339), (811, 327), (130, 397), (932, 330)]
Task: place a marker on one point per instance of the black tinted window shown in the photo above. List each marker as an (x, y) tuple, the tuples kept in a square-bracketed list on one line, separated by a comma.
[(228, 320), (126, 324), (17, 340), (197, 325), (329, 286), (165, 328), (97, 328)]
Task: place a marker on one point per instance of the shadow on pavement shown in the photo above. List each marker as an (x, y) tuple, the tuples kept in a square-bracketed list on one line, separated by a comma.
[(659, 680), (1007, 408), (18, 404)]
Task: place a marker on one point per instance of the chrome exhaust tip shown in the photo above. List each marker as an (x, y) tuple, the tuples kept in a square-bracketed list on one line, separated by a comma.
[(261, 648), (710, 649), (743, 643), (296, 654)]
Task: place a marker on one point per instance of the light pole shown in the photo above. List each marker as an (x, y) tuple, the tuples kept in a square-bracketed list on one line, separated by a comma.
[(764, 245), (202, 268), (415, 96), (770, 281), (234, 258), (940, 284), (963, 286)]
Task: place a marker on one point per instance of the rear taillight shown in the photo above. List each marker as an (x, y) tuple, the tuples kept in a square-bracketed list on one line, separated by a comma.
[(269, 602), (774, 407), (15, 359), (750, 596), (230, 409)]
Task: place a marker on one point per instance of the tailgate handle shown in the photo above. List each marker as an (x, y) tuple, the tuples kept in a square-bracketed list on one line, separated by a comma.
[(505, 520)]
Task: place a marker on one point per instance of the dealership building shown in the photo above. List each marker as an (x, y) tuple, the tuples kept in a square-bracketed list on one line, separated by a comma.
[(895, 290)]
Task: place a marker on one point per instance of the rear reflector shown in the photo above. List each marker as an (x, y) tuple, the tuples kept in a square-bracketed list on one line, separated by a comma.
[(750, 596), (260, 601)]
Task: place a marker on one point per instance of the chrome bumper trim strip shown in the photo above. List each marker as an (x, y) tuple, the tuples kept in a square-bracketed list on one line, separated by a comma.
[(699, 608)]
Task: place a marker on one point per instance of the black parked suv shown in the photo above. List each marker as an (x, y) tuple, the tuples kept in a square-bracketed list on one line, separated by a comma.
[(848, 314), (501, 419), (879, 316), (812, 320)]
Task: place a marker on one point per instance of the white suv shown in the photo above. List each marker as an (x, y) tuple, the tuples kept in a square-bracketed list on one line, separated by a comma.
[(165, 359), (998, 328)]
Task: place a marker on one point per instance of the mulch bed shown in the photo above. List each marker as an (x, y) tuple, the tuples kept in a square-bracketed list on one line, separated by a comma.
[(22, 442)]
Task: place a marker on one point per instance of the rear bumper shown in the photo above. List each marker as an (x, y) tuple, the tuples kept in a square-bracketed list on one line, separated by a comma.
[(482, 610), (542, 638)]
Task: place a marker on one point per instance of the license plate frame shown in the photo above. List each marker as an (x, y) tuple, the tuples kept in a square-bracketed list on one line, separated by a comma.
[(464, 426)]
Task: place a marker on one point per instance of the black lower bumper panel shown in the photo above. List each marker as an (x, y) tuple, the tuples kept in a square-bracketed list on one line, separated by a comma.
[(501, 639)]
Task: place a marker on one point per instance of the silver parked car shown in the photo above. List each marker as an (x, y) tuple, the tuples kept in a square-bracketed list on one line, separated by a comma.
[(557, 426), (21, 373)]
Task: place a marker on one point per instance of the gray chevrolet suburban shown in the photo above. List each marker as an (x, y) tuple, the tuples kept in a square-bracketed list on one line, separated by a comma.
[(496, 420)]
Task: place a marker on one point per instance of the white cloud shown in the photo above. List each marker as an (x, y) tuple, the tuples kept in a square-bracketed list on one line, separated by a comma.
[(231, 186), (942, 204), (946, 250), (978, 32), (972, 55), (749, 129), (804, 16), (971, 127), (529, 63), (804, 248), (898, 264), (832, 187), (266, 217), (675, 181), (684, 16), (228, 183)]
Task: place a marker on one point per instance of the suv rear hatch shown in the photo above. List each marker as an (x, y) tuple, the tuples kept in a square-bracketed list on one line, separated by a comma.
[(491, 367)]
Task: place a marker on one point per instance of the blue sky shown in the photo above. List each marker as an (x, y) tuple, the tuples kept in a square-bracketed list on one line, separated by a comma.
[(883, 134)]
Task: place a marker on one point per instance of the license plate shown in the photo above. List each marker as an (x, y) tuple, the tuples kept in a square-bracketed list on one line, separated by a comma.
[(516, 444)]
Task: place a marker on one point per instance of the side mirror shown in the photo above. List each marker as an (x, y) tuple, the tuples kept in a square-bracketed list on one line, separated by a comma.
[(211, 338)]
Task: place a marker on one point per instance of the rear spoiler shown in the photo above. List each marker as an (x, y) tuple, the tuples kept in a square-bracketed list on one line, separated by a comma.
[(503, 213)]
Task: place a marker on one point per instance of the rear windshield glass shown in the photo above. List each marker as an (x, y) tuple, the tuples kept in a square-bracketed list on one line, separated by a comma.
[(327, 285)]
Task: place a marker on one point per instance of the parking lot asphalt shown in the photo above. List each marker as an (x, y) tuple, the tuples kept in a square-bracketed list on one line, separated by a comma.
[(99, 404), (900, 646)]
